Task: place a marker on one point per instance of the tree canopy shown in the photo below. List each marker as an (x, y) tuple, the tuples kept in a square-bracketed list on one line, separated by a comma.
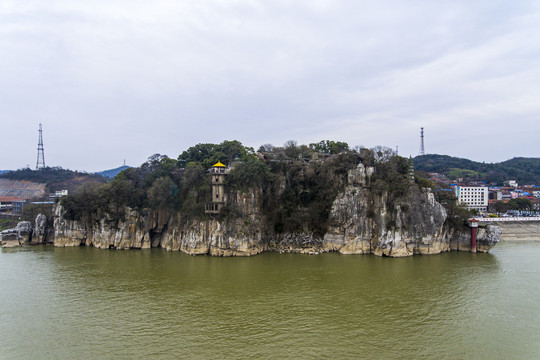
[(209, 154), (329, 146)]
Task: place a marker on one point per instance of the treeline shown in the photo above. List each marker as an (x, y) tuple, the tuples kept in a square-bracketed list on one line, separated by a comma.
[(297, 183), (524, 170), (519, 204)]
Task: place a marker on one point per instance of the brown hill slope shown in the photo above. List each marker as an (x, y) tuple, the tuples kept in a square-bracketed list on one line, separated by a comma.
[(21, 189)]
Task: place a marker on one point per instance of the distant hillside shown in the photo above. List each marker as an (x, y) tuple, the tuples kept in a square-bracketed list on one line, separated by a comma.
[(21, 189), (113, 172), (4, 171), (56, 178), (524, 170)]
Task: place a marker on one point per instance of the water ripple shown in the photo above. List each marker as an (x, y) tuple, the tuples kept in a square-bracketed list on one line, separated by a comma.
[(87, 303)]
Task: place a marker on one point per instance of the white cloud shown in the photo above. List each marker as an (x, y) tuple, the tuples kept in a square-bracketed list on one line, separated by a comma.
[(126, 79)]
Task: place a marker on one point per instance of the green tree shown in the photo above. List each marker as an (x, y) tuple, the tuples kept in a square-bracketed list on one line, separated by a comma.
[(162, 194), (209, 154), (194, 189), (499, 207), (157, 166), (249, 173), (520, 204), (291, 149), (329, 146), (234, 150), (196, 154)]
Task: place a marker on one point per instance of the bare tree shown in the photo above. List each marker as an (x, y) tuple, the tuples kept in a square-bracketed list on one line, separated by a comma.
[(266, 148), (382, 153)]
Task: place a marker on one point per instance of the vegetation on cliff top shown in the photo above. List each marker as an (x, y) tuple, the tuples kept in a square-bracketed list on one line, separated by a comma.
[(296, 184)]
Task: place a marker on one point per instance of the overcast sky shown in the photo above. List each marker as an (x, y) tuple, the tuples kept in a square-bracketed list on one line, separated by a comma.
[(117, 79)]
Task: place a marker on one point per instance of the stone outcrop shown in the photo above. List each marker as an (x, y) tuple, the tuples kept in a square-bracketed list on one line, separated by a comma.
[(240, 236), (16, 236), (416, 227), (41, 229), (361, 221), (127, 234), (488, 237)]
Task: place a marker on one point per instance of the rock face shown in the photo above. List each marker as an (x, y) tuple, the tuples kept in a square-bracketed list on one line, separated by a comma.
[(41, 229), (17, 236), (360, 222), (415, 228), (488, 237), (240, 236), (416, 225), (66, 232)]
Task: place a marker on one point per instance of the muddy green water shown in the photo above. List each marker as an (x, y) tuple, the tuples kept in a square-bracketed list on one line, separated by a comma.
[(85, 303)]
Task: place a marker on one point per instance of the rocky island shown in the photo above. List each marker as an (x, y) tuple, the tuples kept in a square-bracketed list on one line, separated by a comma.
[(305, 199)]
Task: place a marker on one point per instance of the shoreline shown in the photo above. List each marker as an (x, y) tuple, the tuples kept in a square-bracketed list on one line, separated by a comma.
[(520, 240)]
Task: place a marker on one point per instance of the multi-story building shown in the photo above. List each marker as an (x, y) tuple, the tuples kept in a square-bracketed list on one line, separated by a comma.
[(495, 193), (58, 194), (10, 204), (473, 197)]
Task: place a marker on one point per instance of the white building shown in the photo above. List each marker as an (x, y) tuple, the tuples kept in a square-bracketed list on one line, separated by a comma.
[(473, 197), (511, 183), (58, 194), (61, 193)]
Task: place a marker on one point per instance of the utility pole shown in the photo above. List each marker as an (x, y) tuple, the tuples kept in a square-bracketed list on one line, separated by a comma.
[(422, 152), (40, 163)]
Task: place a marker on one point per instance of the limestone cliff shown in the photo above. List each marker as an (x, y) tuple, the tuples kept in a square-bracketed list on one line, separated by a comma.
[(17, 236), (415, 227), (361, 221), (42, 231), (172, 231)]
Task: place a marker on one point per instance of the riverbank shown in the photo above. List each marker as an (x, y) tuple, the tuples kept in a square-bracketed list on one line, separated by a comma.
[(519, 231), (208, 238)]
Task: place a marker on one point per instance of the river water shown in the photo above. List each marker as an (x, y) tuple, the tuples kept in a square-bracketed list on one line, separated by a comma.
[(86, 303)]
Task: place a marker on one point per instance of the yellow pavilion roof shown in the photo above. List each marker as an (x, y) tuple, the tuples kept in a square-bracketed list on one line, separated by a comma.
[(219, 164)]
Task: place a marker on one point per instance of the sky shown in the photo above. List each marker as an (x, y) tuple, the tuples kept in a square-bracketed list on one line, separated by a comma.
[(115, 80)]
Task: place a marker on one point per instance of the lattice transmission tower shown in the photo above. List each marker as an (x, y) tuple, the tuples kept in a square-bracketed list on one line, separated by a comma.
[(40, 163), (422, 152)]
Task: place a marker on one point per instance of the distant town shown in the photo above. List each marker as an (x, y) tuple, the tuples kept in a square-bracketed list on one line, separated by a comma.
[(509, 199)]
